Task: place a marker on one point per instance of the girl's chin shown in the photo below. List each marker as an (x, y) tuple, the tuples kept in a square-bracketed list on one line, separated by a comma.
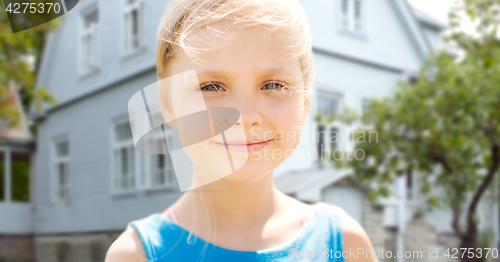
[(252, 171)]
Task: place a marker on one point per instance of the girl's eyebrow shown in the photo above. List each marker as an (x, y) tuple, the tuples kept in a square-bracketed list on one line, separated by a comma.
[(263, 73)]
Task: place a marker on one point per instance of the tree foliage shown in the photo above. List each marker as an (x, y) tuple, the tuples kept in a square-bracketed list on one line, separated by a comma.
[(445, 127), (17, 50)]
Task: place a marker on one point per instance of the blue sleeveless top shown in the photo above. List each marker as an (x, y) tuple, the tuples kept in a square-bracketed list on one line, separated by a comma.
[(319, 239)]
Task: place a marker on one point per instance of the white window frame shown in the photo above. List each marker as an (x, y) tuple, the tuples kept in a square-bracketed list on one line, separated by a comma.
[(151, 182), (348, 22), (93, 55), (143, 172), (328, 127), (60, 193), (128, 6), (132, 164)]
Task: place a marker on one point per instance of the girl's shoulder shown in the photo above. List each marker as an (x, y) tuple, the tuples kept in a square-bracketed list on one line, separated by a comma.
[(127, 248), (354, 236), (349, 225), (139, 234)]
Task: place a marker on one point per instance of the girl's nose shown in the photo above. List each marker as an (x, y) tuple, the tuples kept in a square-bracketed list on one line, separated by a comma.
[(249, 112)]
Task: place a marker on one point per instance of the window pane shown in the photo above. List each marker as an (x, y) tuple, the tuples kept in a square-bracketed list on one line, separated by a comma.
[(142, 169), (357, 9), (116, 170), (123, 132), (62, 176), (358, 15), (2, 176), (62, 180), (345, 7), (91, 18), (135, 28), (365, 105), (20, 170), (131, 170), (334, 138), (321, 140), (63, 253), (345, 14), (126, 23), (88, 45), (123, 162), (170, 165), (328, 104), (62, 148), (97, 252)]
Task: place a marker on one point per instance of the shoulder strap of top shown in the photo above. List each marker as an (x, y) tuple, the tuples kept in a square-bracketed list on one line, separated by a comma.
[(334, 216), (142, 227)]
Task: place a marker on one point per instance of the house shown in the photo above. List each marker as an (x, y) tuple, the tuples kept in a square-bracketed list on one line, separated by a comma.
[(89, 182), (16, 219)]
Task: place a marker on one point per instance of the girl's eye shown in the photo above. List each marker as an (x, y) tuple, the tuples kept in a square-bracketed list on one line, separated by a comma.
[(273, 86), (212, 87)]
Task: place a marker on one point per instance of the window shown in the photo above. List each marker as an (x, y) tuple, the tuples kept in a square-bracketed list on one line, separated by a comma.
[(328, 103), (159, 168), (133, 169), (20, 177), (334, 137), (132, 26), (61, 173), (411, 185), (328, 134), (328, 140), (123, 158), (97, 252), (321, 141), (352, 15), (365, 105), (63, 253), (2, 176), (88, 40)]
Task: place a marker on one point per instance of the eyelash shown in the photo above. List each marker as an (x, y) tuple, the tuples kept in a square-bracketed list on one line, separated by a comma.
[(283, 86)]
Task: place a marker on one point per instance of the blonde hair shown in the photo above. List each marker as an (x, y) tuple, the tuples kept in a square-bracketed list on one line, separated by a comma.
[(184, 17)]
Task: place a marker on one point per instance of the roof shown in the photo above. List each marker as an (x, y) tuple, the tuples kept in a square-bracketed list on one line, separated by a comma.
[(18, 133), (293, 182), (428, 19)]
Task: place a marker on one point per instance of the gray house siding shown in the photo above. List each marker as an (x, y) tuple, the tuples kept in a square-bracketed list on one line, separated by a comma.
[(92, 206), (60, 67)]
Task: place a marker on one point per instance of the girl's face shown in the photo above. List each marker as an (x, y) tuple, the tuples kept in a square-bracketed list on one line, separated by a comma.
[(253, 74)]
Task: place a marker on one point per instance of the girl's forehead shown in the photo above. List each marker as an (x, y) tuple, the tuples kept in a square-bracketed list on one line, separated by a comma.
[(222, 37), (223, 47)]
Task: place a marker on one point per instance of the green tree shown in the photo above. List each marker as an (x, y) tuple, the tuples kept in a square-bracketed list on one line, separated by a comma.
[(445, 127), (16, 52)]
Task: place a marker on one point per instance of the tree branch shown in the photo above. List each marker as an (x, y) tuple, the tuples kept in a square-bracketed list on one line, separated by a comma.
[(495, 157), (457, 212), (442, 160)]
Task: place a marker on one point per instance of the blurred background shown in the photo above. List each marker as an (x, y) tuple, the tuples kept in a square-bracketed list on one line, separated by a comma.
[(405, 132)]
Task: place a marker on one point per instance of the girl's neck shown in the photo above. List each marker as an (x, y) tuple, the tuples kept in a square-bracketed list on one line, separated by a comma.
[(236, 202)]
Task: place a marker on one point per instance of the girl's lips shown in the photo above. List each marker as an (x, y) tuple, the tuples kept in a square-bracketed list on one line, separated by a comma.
[(244, 147)]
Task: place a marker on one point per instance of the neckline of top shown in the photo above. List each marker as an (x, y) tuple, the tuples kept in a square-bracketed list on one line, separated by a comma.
[(281, 246)]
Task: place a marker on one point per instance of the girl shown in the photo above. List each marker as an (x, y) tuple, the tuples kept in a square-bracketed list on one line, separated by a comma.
[(254, 56)]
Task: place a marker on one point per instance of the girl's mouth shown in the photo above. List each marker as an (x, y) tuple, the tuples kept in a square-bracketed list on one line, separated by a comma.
[(246, 146)]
